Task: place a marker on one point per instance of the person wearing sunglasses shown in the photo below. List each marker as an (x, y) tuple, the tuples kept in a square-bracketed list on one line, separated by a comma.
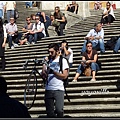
[(38, 31), (108, 14), (91, 58), (26, 29), (96, 36)]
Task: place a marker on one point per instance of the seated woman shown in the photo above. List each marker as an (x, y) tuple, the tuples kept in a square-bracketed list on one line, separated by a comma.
[(26, 29), (98, 5), (91, 58), (108, 14), (72, 7)]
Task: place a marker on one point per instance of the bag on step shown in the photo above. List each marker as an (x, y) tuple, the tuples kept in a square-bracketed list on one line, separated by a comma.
[(87, 71)]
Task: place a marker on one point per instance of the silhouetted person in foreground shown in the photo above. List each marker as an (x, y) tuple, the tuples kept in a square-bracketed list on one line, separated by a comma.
[(9, 107)]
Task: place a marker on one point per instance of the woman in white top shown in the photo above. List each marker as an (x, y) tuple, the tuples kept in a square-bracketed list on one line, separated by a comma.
[(3, 37), (108, 14)]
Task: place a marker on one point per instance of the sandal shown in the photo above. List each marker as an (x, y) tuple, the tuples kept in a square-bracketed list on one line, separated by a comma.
[(74, 81), (93, 79)]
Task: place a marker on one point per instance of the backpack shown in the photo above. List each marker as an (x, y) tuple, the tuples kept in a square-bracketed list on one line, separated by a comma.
[(66, 81), (110, 44)]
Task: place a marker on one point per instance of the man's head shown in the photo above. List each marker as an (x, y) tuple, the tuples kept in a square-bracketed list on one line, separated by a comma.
[(12, 20), (53, 50), (28, 20), (3, 85), (37, 18), (98, 27)]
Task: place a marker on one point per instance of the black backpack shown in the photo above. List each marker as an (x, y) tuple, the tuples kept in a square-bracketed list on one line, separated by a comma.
[(66, 81), (110, 44)]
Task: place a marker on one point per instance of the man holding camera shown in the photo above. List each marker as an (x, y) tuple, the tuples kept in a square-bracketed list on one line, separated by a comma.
[(54, 90)]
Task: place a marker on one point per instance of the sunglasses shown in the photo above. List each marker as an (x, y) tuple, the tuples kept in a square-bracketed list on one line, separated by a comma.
[(89, 46), (28, 20), (51, 52), (36, 18), (108, 5)]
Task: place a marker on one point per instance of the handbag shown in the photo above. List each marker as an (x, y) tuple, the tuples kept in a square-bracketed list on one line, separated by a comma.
[(87, 71)]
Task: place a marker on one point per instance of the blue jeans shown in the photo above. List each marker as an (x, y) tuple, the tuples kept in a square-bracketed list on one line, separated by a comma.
[(1, 13), (34, 37), (28, 4), (15, 38), (54, 98), (100, 42), (117, 45), (10, 13), (94, 67)]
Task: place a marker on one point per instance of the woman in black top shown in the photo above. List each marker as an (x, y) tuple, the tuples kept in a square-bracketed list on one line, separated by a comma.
[(91, 58)]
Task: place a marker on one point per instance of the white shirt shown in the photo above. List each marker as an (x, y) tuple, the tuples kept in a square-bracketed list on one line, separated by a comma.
[(111, 11), (54, 83), (92, 32), (5, 33), (70, 56), (39, 26), (10, 5)]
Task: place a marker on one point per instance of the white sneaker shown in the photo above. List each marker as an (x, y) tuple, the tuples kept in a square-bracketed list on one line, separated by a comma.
[(15, 45), (33, 43), (12, 47), (27, 43)]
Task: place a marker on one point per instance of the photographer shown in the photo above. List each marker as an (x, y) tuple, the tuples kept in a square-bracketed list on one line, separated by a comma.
[(54, 90)]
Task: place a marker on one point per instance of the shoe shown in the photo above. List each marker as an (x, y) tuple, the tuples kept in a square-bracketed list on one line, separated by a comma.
[(27, 43), (93, 80), (16, 45), (102, 52), (33, 43), (114, 52), (12, 47), (74, 81)]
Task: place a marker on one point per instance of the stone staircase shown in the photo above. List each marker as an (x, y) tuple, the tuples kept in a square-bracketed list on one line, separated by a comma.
[(88, 99)]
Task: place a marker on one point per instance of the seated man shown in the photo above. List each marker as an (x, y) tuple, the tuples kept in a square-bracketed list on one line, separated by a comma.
[(37, 32), (96, 36), (26, 29), (12, 33), (44, 19)]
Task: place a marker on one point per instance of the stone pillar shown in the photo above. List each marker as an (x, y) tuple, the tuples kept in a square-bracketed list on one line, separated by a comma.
[(83, 9)]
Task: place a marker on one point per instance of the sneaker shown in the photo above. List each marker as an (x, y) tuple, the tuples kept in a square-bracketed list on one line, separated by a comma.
[(12, 47), (27, 43), (33, 43), (74, 81), (16, 45)]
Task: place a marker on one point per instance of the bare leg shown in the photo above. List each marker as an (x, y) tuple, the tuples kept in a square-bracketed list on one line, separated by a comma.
[(93, 75), (76, 77)]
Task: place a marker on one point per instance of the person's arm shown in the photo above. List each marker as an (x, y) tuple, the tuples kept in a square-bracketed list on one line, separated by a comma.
[(95, 59), (5, 37), (88, 35), (64, 74), (44, 16), (63, 18), (76, 6)]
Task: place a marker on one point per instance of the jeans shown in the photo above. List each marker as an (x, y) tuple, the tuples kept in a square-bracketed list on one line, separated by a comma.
[(94, 67), (28, 4), (10, 13), (100, 42), (34, 37), (117, 46), (16, 39), (1, 13), (54, 97)]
